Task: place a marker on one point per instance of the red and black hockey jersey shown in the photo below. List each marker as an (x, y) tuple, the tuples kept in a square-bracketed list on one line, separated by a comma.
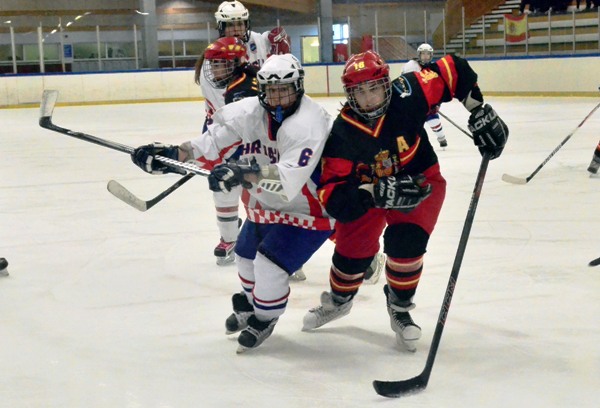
[(358, 152)]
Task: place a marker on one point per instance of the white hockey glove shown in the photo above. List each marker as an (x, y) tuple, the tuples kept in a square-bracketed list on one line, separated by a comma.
[(403, 192), (143, 157)]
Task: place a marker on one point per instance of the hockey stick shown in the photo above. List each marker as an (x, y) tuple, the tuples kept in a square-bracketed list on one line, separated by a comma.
[(399, 388), (519, 180), (455, 125), (47, 107), (595, 262), (119, 191), (49, 98)]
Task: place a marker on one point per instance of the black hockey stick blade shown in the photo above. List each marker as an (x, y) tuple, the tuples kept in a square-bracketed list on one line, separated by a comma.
[(123, 194), (595, 262), (395, 389)]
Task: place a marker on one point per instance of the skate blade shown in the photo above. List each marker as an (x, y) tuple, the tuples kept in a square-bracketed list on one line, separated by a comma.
[(298, 276), (409, 345), (227, 260), (242, 349)]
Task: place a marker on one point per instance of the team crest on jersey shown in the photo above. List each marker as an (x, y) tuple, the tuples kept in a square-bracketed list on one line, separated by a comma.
[(427, 75), (384, 164), (253, 46)]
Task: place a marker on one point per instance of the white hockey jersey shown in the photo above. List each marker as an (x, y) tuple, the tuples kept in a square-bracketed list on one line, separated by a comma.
[(257, 51), (411, 66), (296, 150)]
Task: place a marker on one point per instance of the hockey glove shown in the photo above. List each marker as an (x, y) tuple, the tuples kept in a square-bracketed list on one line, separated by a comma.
[(403, 192), (280, 41), (143, 157), (489, 131), (228, 175)]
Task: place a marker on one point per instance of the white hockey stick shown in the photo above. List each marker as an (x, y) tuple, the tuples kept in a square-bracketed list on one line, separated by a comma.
[(520, 180), (119, 191)]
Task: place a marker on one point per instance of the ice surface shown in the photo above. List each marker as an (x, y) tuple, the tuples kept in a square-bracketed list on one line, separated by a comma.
[(106, 306)]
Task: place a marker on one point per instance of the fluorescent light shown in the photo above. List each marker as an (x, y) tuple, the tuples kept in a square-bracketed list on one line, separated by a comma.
[(142, 13), (7, 22), (69, 23)]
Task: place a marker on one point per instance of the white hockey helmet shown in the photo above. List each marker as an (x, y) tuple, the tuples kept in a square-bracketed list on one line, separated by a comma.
[(280, 70), (427, 51), (230, 11)]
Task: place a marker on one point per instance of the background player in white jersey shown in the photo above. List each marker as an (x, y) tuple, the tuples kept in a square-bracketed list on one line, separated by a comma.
[(424, 58), (233, 20), (275, 143)]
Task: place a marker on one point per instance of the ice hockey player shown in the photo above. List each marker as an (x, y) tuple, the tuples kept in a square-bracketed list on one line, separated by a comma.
[(233, 20), (595, 163), (423, 60), (3, 267), (271, 145), (381, 174)]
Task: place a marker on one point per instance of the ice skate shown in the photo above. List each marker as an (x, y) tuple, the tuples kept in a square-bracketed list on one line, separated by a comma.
[(256, 332), (594, 165), (3, 267), (442, 141), (407, 332), (298, 276), (374, 270), (225, 252), (242, 310), (329, 310)]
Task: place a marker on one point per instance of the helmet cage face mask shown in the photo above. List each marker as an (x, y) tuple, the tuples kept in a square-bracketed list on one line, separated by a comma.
[(232, 12), (357, 91), (219, 71), (280, 70), (221, 58)]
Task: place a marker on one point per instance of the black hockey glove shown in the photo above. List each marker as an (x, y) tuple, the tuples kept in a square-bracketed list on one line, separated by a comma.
[(489, 131), (225, 176), (143, 157), (403, 192)]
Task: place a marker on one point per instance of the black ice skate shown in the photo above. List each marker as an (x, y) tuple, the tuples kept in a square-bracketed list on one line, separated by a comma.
[(407, 332), (3, 267), (256, 332), (594, 165), (242, 310)]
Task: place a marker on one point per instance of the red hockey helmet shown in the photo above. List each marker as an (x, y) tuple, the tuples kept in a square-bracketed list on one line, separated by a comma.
[(367, 72), (221, 58)]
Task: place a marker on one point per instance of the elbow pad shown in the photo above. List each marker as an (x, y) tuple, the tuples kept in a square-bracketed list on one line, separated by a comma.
[(348, 203)]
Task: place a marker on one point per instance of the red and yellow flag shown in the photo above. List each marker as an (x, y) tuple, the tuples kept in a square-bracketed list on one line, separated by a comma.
[(516, 28)]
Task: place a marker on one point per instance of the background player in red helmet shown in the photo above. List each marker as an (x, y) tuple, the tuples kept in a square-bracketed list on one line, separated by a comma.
[(381, 174), (233, 20)]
